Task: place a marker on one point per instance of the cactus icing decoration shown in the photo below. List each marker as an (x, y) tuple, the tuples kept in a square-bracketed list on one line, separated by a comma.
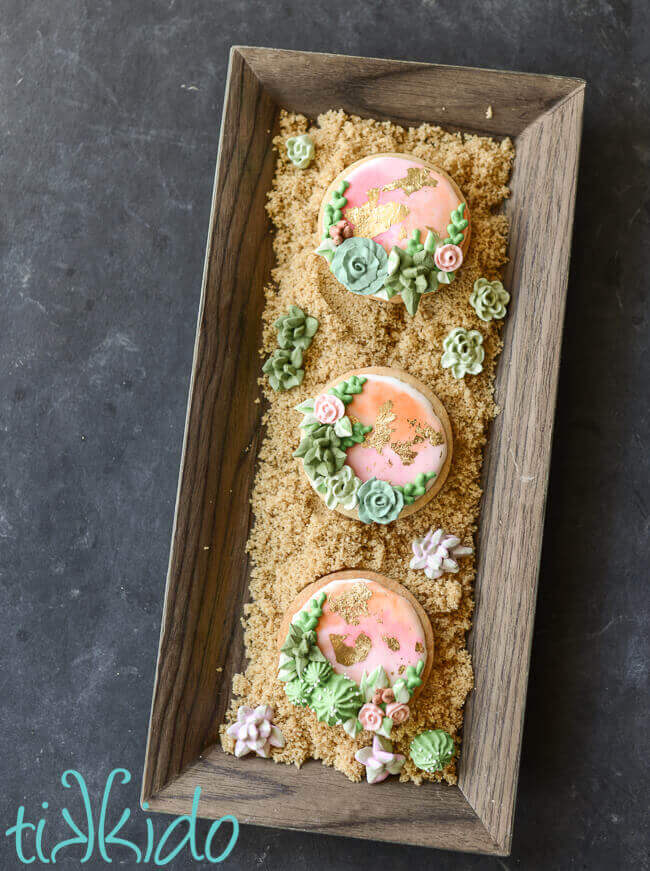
[(295, 329), (339, 489), (456, 226), (298, 692), (316, 674), (360, 265), (337, 701), (379, 502), (489, 299), (463, 353), (417, 488), (432, 751), (300, 150), (334, 211), (284, 369), (347, 389)]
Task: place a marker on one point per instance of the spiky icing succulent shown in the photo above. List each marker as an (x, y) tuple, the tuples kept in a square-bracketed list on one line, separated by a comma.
[(337, 700), (433, 751)]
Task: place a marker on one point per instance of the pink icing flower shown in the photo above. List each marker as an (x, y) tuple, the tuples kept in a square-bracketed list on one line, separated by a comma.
[(399, 713), (448, 258), (328, 408), (255, 732), (387, 696), (376, 697), (380, 761), (340, 231), (371, 716)]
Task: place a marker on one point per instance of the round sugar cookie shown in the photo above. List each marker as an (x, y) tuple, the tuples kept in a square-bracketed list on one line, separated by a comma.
[(387, 198), (376, 444), (363, 622)]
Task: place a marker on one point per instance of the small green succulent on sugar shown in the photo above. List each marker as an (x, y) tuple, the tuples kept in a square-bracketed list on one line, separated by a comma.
[(321, 452), (463, 352), (360, 265), (432, 751), (489, 299), (284, 368), (300, 150), (295, 329)]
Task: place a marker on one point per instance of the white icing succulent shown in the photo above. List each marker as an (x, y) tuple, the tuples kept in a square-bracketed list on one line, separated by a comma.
[(437, 553), (339, 489)]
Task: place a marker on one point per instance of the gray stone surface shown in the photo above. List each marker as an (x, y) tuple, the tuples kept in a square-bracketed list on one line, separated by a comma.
[(109, 119)]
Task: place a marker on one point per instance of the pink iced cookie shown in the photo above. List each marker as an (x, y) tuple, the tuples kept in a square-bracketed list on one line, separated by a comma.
[(366, 624), (391, 195), (407, 438)]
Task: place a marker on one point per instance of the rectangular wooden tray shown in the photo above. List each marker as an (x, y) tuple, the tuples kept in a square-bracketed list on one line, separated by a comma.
[(201, 643)]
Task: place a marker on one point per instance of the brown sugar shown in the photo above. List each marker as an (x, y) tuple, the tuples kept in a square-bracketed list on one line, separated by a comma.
[(296, 539)]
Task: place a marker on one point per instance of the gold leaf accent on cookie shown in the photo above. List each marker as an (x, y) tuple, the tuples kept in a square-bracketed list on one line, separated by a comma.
[(371, 219), (426, 432), (419, 647), (352, 604), (391, 641), (416, 178), (346, 655), (381, 431), (405, 452)]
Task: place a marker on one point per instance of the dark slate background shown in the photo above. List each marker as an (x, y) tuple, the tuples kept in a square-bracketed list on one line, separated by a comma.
[(109, 118)]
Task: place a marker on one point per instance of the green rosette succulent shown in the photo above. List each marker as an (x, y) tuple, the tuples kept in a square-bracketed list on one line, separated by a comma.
[(321, 453), (433, 751), (416, 488), (339, 489), (298, 692), (337, 700), (411, 274), (299, 648), (360, 265), (463, 353), (295, 329), (379, 502), (283, 368), (489, 299), (300, 150), (316, 674)]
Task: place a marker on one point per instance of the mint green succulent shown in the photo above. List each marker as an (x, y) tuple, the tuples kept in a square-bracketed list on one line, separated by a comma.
[(298, 692), (416, 488), (316, 674), (320, 451), (347, 390), (300, 150), (357, 436), (339, 489), (379, 502), (337, 700), (300, 647), (456, 226), (463, 353), (489, 299), (295, 329), (360, 265), (433, 751), (283, 368)]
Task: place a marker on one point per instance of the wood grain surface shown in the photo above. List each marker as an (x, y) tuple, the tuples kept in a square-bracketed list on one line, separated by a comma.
[(201, 643), (348, 574)]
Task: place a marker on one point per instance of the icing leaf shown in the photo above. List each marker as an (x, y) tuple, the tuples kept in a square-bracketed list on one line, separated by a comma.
[(343, 427), (352, 727), (376, 680), (346, 390), (386, 727), (413, 676), (402, 694), (357, 436)]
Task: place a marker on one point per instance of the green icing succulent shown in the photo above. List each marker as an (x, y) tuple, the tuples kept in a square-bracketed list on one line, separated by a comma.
[(300, 647), (337, 700), (340, 488), (300, 150), (379, 502), (347, 390), (321, 452), (333, 213), (413, 675), (298, 692), (489, 299), (310, 615), (456, 226), (295, 329), (463, 354), (316, 674), (412, 272), (360, 265), (359, 432), (283, 368), (416, 488), (433, 751)]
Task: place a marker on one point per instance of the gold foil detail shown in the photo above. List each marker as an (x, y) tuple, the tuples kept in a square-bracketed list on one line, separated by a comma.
[(416, 178), (391, 641), (371, 219), (404, 451), (401, 669), (419, 647), (351, 655), (351, 605), (381, 432), (426, 432)]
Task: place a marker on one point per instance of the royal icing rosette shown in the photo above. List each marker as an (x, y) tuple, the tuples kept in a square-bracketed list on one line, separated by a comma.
[(394, 227), (376, 444), (356, 648)]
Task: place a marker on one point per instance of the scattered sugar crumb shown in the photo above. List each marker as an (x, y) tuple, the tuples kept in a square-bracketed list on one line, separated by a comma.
[(488, 112), (296, 539)]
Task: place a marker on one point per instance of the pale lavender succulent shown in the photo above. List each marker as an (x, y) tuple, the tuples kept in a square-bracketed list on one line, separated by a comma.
[(437, 553), (254, 731), (380, 761)]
